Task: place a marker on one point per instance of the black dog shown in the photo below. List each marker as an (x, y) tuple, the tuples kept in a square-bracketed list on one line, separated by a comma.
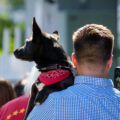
[(45, 50)]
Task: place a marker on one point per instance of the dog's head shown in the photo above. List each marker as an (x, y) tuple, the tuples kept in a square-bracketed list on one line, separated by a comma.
[(42, 48)]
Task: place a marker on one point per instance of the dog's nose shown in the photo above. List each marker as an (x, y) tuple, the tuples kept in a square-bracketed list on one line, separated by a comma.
[(15, 52)]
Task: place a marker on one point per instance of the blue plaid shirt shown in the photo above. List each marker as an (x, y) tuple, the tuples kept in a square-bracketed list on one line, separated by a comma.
[(90, 98)]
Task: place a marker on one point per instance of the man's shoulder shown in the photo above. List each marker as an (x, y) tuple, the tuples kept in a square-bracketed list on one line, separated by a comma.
[(85, 91), (71, 91), (63, 93)]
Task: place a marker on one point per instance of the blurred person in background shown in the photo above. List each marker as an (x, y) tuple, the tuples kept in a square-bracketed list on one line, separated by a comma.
[(7, 92), (16, 109), (19, 87)]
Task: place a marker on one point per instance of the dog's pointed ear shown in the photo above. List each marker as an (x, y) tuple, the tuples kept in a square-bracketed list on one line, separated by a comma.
[(36, 29), (56, 34)]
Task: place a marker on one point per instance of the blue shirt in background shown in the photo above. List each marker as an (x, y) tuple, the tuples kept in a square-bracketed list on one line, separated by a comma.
[(90, 98)]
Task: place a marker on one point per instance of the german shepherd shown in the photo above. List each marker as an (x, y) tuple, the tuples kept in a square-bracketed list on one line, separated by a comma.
[(45, 50)]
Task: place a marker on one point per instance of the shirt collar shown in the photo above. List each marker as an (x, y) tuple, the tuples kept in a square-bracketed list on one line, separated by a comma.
[(94, 81)]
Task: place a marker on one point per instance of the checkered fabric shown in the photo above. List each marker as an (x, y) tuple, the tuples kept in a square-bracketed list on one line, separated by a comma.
[(90, 98)]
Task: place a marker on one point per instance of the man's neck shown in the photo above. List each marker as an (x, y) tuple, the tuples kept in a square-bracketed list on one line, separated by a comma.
[(95, 71)]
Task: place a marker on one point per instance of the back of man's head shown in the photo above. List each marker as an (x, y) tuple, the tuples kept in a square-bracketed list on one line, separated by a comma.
[(93, 44)]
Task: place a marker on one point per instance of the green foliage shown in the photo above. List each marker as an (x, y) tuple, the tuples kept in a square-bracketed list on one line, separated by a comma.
[(5, 22), (16, 4), (11, 44), (4, 2)]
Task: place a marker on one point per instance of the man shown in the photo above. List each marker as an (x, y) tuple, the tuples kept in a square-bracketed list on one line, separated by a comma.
[(92, 97)]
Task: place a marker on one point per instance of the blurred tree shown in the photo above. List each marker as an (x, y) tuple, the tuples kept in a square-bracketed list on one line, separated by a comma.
[(4, 2), (5, 22), (16, 4)]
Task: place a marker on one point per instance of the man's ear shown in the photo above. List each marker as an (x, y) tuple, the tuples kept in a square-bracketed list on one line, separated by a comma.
[(74, 59), (109, 63), (36, 30)]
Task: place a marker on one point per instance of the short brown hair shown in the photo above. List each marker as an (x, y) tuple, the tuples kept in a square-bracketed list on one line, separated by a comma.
[(93, 43), (7, 92)]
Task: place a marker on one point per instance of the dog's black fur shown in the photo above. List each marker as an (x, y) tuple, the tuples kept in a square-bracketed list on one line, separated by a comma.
[(45, 50)]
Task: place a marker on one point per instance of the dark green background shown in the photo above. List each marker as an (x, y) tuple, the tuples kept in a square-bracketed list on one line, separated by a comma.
[(92, 11)]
